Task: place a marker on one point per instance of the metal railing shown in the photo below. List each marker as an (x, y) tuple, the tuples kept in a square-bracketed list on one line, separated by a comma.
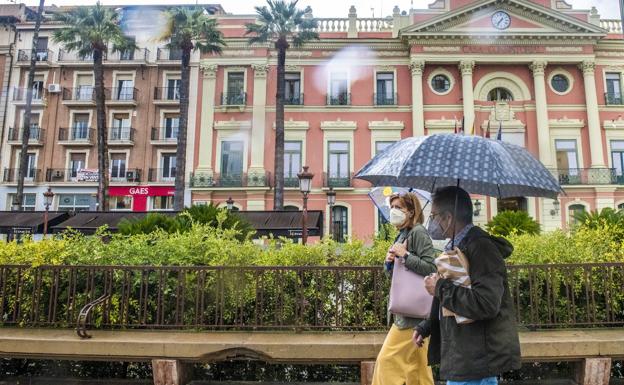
[(125, 175), (122, 94), (330, 180), (613, 99), (168, 54), (384, 99), (37, 134), (11, 174), (343, 99), (167, 93), (294, 100), (20, 94), (217, 180), (121, 134), (139, 54), (79, 94), (76, 134), (234, 99), (67, 175), (165, 134), (585, 176), (261, 298), (42, 55), (291, 181), (73, 56), (161, 175)]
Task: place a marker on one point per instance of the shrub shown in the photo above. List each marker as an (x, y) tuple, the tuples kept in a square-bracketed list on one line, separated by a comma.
[(513, 222), (596, 219)]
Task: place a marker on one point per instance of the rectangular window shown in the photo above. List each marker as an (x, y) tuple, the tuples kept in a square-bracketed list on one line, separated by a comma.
[(235, 88), (292, 93), (567, 162), (232, 158), (382, 145), (77, 162), (172, 125), (173, 89), (125, 88), (42, 48), (80, 129), (84, 87), (385, 88), (30, 200), (120, 129), (32, 165), (162, 202), (118, 166), (338, 89), (74, 202), (38, 88), (168, 162), (120, 202), (617, 157), (292, 163), (338, 164), (614, 88)]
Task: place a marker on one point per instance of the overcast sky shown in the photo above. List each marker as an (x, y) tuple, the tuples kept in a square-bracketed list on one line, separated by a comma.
[(330, 8)]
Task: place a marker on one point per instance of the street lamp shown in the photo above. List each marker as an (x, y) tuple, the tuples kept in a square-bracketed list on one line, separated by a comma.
[(230, 203), (331, 201), (48, 196), (556, 207), (477, 208), (305, 185)]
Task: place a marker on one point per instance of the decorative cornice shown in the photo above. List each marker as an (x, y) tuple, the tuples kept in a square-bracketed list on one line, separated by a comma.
[(232, 125), (614, 124), (588, 67), (538, 67), (417, 67), (441, 124), (466, 67), (386, 125), (566, 123), (294, 125), (208, 70), (338, 125), (260, 70)]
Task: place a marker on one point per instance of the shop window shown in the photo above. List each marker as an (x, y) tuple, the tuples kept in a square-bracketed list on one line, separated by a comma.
[(29, 203), (74, 202), (120, 202), (162, 202)]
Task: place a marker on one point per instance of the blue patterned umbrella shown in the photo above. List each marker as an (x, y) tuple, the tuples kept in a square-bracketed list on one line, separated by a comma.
[(482, 166)]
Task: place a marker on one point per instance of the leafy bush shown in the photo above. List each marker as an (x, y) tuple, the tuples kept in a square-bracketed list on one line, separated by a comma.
[(513, 222), (596, 219)]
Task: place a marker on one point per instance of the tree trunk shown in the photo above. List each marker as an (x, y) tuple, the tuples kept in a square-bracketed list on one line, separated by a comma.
[(278, 198), (178, 199), (102, 134), (23, 159)]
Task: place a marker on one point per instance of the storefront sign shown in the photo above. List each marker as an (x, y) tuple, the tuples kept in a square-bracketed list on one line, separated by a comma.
[(141, 194), (87, 175), (21, 230)]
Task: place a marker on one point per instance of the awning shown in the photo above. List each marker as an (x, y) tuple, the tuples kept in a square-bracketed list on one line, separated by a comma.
[(284, 223), (88, 222), (28, 222)]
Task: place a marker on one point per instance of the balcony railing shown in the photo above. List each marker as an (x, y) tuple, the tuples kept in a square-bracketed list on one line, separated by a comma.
[(76, 134), (43, 55), (125, 175), (36, 133), (165, 134), (333, 180), (79, 94), (73, 56), (231, 180), (168, 54), (123, 94), (167, 93), (11, 175), (20, 94), (121, 134), (585, 176), (291, 181), (614, 99), (140, 54), (161, 175), (293, 100), (339, 100), (234, 99), (385, 99)]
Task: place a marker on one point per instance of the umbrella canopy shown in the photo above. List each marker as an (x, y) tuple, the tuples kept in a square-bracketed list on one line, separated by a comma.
[(482, 166), (381, 197)]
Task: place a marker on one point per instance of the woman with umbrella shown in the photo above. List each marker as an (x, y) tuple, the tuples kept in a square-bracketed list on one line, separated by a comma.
[(399, 361)]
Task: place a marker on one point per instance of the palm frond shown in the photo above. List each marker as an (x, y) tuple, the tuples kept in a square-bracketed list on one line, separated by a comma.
[(281, 19), (191, 29)]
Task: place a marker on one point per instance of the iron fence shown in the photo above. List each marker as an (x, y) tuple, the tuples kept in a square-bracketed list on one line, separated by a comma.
[(317, 298)]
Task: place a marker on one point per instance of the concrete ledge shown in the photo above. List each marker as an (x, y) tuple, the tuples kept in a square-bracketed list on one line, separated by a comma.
[(306, 347)]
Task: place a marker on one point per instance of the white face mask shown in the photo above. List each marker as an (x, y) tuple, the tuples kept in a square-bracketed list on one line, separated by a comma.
[(397, 217)]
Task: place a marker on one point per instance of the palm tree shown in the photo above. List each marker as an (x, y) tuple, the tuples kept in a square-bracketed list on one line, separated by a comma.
[(90, 31), (281, 23), (187, 30), (23, 159)]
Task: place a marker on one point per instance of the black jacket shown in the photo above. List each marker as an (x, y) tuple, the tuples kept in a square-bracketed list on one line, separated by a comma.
[(489, 346)]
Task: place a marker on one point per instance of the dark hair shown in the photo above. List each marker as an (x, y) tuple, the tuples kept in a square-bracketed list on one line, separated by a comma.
[(444, 199)]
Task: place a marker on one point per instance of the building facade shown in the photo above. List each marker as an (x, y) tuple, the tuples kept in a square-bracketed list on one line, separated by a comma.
[(547, 76)]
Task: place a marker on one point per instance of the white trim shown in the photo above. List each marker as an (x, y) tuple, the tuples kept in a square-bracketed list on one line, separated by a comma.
[(349, 218), (338, 135), (441, 71), (79, 73), (384, 131), (577, 201), (612, 137), (18, 152), (606, 70), (492, 80), (300, 70), (163, 112), (226, 72), (170, 75), (111, 114), (74, 112), (68, 154), (33, 111), (160, 168), (618, 203), (300, 136), (567, 75), (294, 204), (37, 73), (384, 69), (110, 164), (232, 136), (331, 71), (561, 135)]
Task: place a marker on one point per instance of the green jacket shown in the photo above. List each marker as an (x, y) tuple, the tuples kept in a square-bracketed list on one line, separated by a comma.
[(420, 256)]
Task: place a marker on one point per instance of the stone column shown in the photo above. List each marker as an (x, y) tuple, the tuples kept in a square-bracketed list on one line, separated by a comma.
[(256, 170), (593, 371), (169, 372), (209, 73), (418, 115), (593, 118), (541, 112), (466, 67)]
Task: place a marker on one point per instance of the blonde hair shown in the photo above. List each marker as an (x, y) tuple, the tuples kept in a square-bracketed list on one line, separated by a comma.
[(412, 204)]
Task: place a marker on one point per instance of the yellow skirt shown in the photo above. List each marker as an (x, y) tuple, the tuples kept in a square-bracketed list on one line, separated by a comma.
[(401, 362)]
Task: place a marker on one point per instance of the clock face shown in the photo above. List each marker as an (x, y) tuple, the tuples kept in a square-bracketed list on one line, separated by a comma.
[(501, 20)]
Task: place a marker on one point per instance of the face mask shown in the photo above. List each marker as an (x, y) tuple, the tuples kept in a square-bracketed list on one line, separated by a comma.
[(397, 217), (436, 232)]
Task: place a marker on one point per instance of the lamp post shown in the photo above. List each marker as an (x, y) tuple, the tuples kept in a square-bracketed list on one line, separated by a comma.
[(48, 196), (229, 203), (477, 208), (305, 185), (331, 200)]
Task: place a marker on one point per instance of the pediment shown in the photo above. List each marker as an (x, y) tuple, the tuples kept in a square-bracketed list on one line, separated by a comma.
[(527, 20)]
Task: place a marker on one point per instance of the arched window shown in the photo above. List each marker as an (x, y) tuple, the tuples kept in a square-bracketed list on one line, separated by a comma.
[(340, 225), (620, 206), (500, 94), (291, 208), (573, 211)]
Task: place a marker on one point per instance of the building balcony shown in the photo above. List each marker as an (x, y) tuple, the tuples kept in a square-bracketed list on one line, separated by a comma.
[(36, 136), (293, 100), (167, 95), (121, 96), (585, 176), (226, 181), (21, 94), (125, 175), (613, 99), (79, 96), (161, 175), (234, 99), (337, 181), (164, 136), (385, 99), (121, 136), (339, 100), (76, 136), (139, 55), (74, 58), (66, 175), (11, 175), (291, 182), (43, 56), (166, 54)]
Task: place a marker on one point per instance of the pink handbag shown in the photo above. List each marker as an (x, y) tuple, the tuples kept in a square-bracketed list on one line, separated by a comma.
[(408, 296)]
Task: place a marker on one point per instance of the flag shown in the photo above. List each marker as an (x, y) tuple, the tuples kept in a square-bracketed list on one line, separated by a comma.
[(461, 130), (499, 134), (456, 132), (487, 130)]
